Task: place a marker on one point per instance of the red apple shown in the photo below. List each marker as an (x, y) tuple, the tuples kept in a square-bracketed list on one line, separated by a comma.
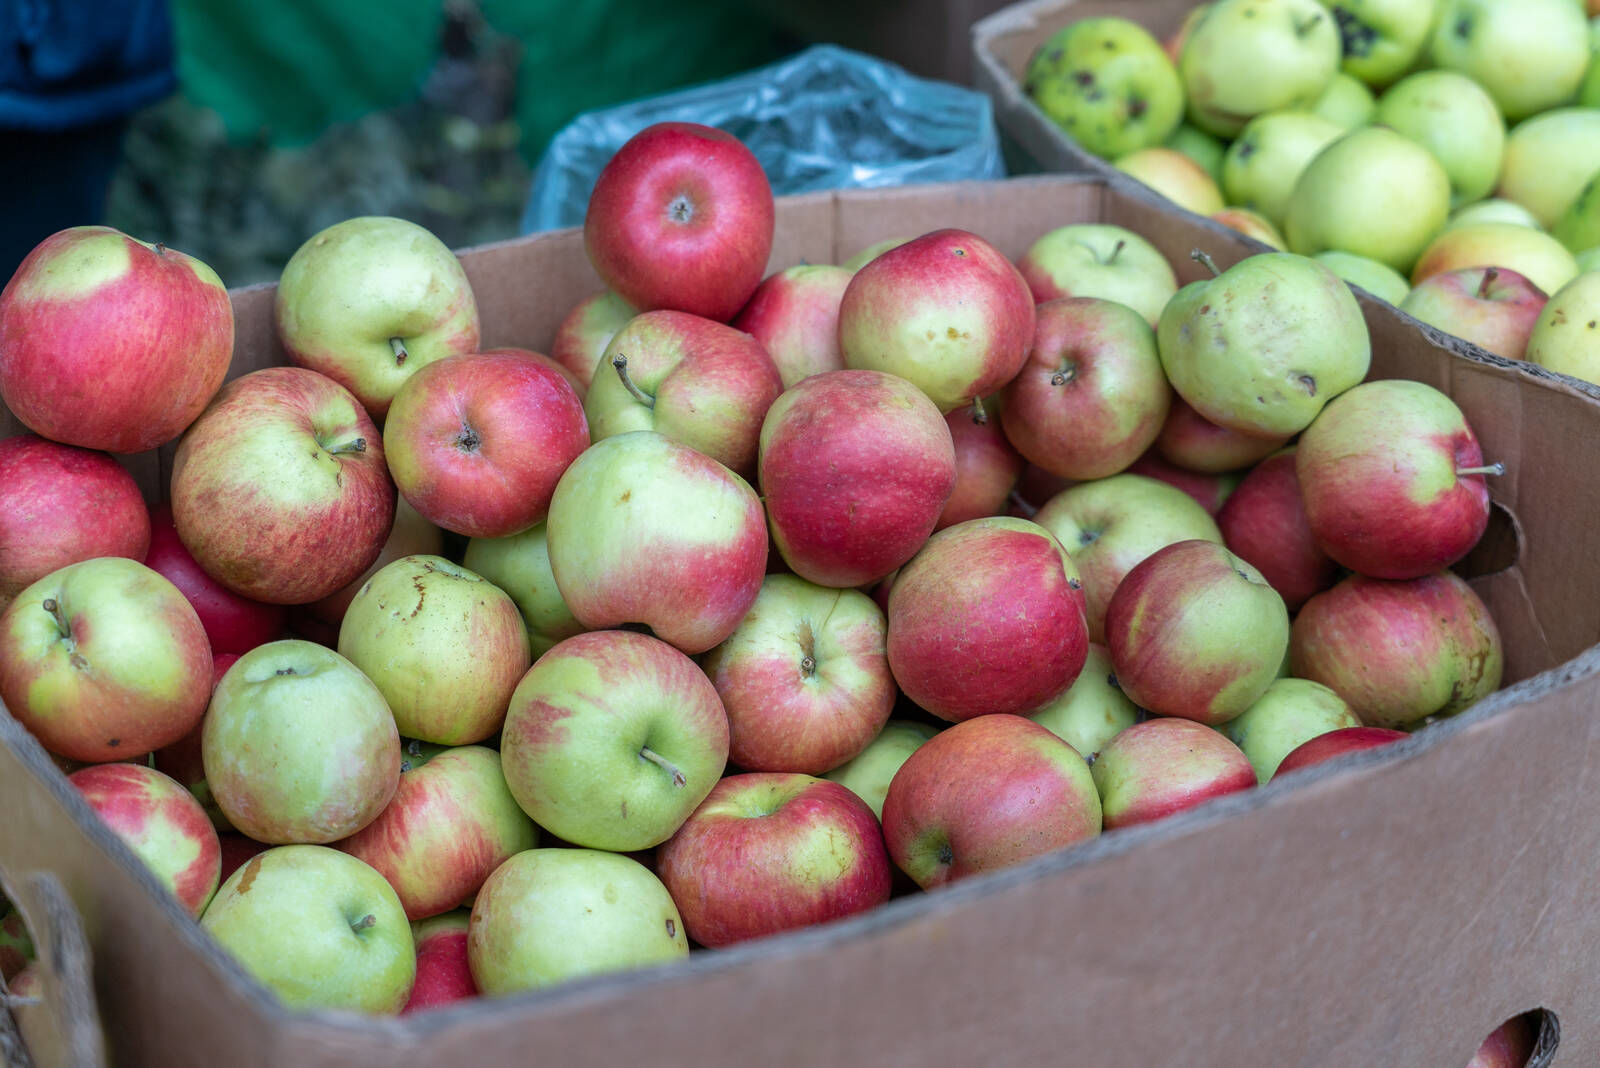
[(794, 314), (1264, 523), (1508, 1046), (443, 974), (986, 466), (411, 535), (767, 852), (586, 331), (233, 624), (1163, 766), (682, 218), (1191, 441), (1210, 492), (1337, 743), (60, 504), (110, 343), (1492, 307)]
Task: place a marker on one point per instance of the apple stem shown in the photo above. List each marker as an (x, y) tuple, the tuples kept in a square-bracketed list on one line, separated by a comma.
[(160, 249), (620, 362), (51, 605), (979, 416), (1303, 28), (369, 920), (1116, 250), (1496, 468), (1201, 256), (358, 445), (1067, 373), (678, 777), (808, 665), (398, 347), (1023, 506), (1489, 275)]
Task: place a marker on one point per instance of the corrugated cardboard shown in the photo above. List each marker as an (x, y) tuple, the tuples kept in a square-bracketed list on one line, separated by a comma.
[(1388, 911)]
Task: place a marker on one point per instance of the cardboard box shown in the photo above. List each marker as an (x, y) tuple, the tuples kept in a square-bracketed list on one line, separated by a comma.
[(1389, 911)]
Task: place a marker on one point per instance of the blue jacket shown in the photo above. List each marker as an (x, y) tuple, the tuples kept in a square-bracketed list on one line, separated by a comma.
[(66, 63)]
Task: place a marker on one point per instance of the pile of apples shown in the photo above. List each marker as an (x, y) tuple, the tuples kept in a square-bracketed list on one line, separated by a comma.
[(1373, 135), (698, 632)]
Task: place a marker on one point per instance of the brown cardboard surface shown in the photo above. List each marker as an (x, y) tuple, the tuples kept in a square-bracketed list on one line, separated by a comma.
[(1388, 911)]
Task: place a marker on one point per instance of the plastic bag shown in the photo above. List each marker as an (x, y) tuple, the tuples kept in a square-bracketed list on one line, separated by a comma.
[(826, 118)]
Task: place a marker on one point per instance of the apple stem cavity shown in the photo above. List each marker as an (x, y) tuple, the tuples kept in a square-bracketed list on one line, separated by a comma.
[(369, 920), (1023, 506), (1495, 468), (1489, 275), (620, 362), (1202, 256), (398, 347), (678, 777), (357, 445), (1116, 250), (979, 416)]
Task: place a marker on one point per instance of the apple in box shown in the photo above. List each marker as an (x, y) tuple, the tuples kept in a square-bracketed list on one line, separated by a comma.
[(444, 971), (794, 314), (1495, 308), (1163, 766), (987, 466), (583, 335), (1264, 523), (1336, 743), (520, 565), (233, 623), (1099, 260)]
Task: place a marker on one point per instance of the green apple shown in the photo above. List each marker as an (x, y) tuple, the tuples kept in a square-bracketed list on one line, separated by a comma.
[(1201, 147), (1579, 227), (319, 928), (1093, 710), (867, 775), (1244, 57), (1099, 260), (1588, 260), (1261, 167), (1373, 192), (1379, 279), (1451, 116), (1292, 711), (1108, 84), (550, 915), (1589, 89), (520, 565), (1346, 102), (1175, 176), (1550, 158), (1532, 253), (1382, 39), (1566, 336), (1495, 209), (1529, 54)]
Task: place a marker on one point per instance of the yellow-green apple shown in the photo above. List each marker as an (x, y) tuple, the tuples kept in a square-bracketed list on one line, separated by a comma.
[(1510, 1045), (612, 739), (1196, 632), (1163, 766), (477, 441), (1199, 146), (1392, 479), (1374, 192), (1111, 524), (1292, 711), (444, 646), (1209, 491), (1190, 440), (1252, 225), (1382, 39), (318, 928), (988, 617), (299, 746), (280, 490), (1091, 711), (1495, 209), (161, 823), (947, 312), (233, 624), (444, 973), (645, 530), (869, 773), (520, 565), (1549, 158), (1579, 228), (104, 659), (1244, 57), (1260, 167), (1566, 336), (856, 467), (698, 382), (1108, 84), (1099, 260), (985, 794), (1399, 652), (804, 678), (1378, 279), (1092, 395), (987, 465), (794, 315), (409, 535), (1263, 522), (1529, 54), (588, 328), (1492, 307), (372, 300), (1588, 260), (547, 916), (1336, 743), (1347, 102), (1453, 117), (773, 851), (681, 217), (1175, 176), (451, 823), (110, 343), (1534, 254), (60, 504), (872, 252), (1264, 345)]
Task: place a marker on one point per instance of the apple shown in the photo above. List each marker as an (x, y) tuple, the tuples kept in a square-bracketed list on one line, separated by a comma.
[(1382, 39), (869, 773), (1108, 84), (794, 316), (547, 916), (583, 335), (696, 381), (1191, 441), (1260, 167), (872, 252), (1091, 711), (520, 566), (233, 624), (1347, 102), (856, 467), (1336, 743), (987, 465), (804, 678), (1378, 279), (444, 972), (161, 823), (1495, 209), (1392, 479), (451, 823), (279, 489), (111, 343), (1252, 225), (1163, 766), (1399, 652), (1111, 524), (1549, 158), (1264, 523), (1566, 336), (103, 660), (372, 300), (1175, 176), (1529, 54), (1453, 117), (476, 442), (1492, 307), (318, 928), (1510, 1045), (1579, 227), (1289, 713), (612, 739), (1209, 491), (409, 535), (1244, 57), (1588, 260), (1531, 253), (1099, 260), (681, 218), (1092, 395), (645, 530), (299, 746), (60, 504), (1198, 145), (985, 794), (771, 851)]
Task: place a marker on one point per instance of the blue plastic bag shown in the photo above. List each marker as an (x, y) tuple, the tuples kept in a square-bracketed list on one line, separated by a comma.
[(826, 118)]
